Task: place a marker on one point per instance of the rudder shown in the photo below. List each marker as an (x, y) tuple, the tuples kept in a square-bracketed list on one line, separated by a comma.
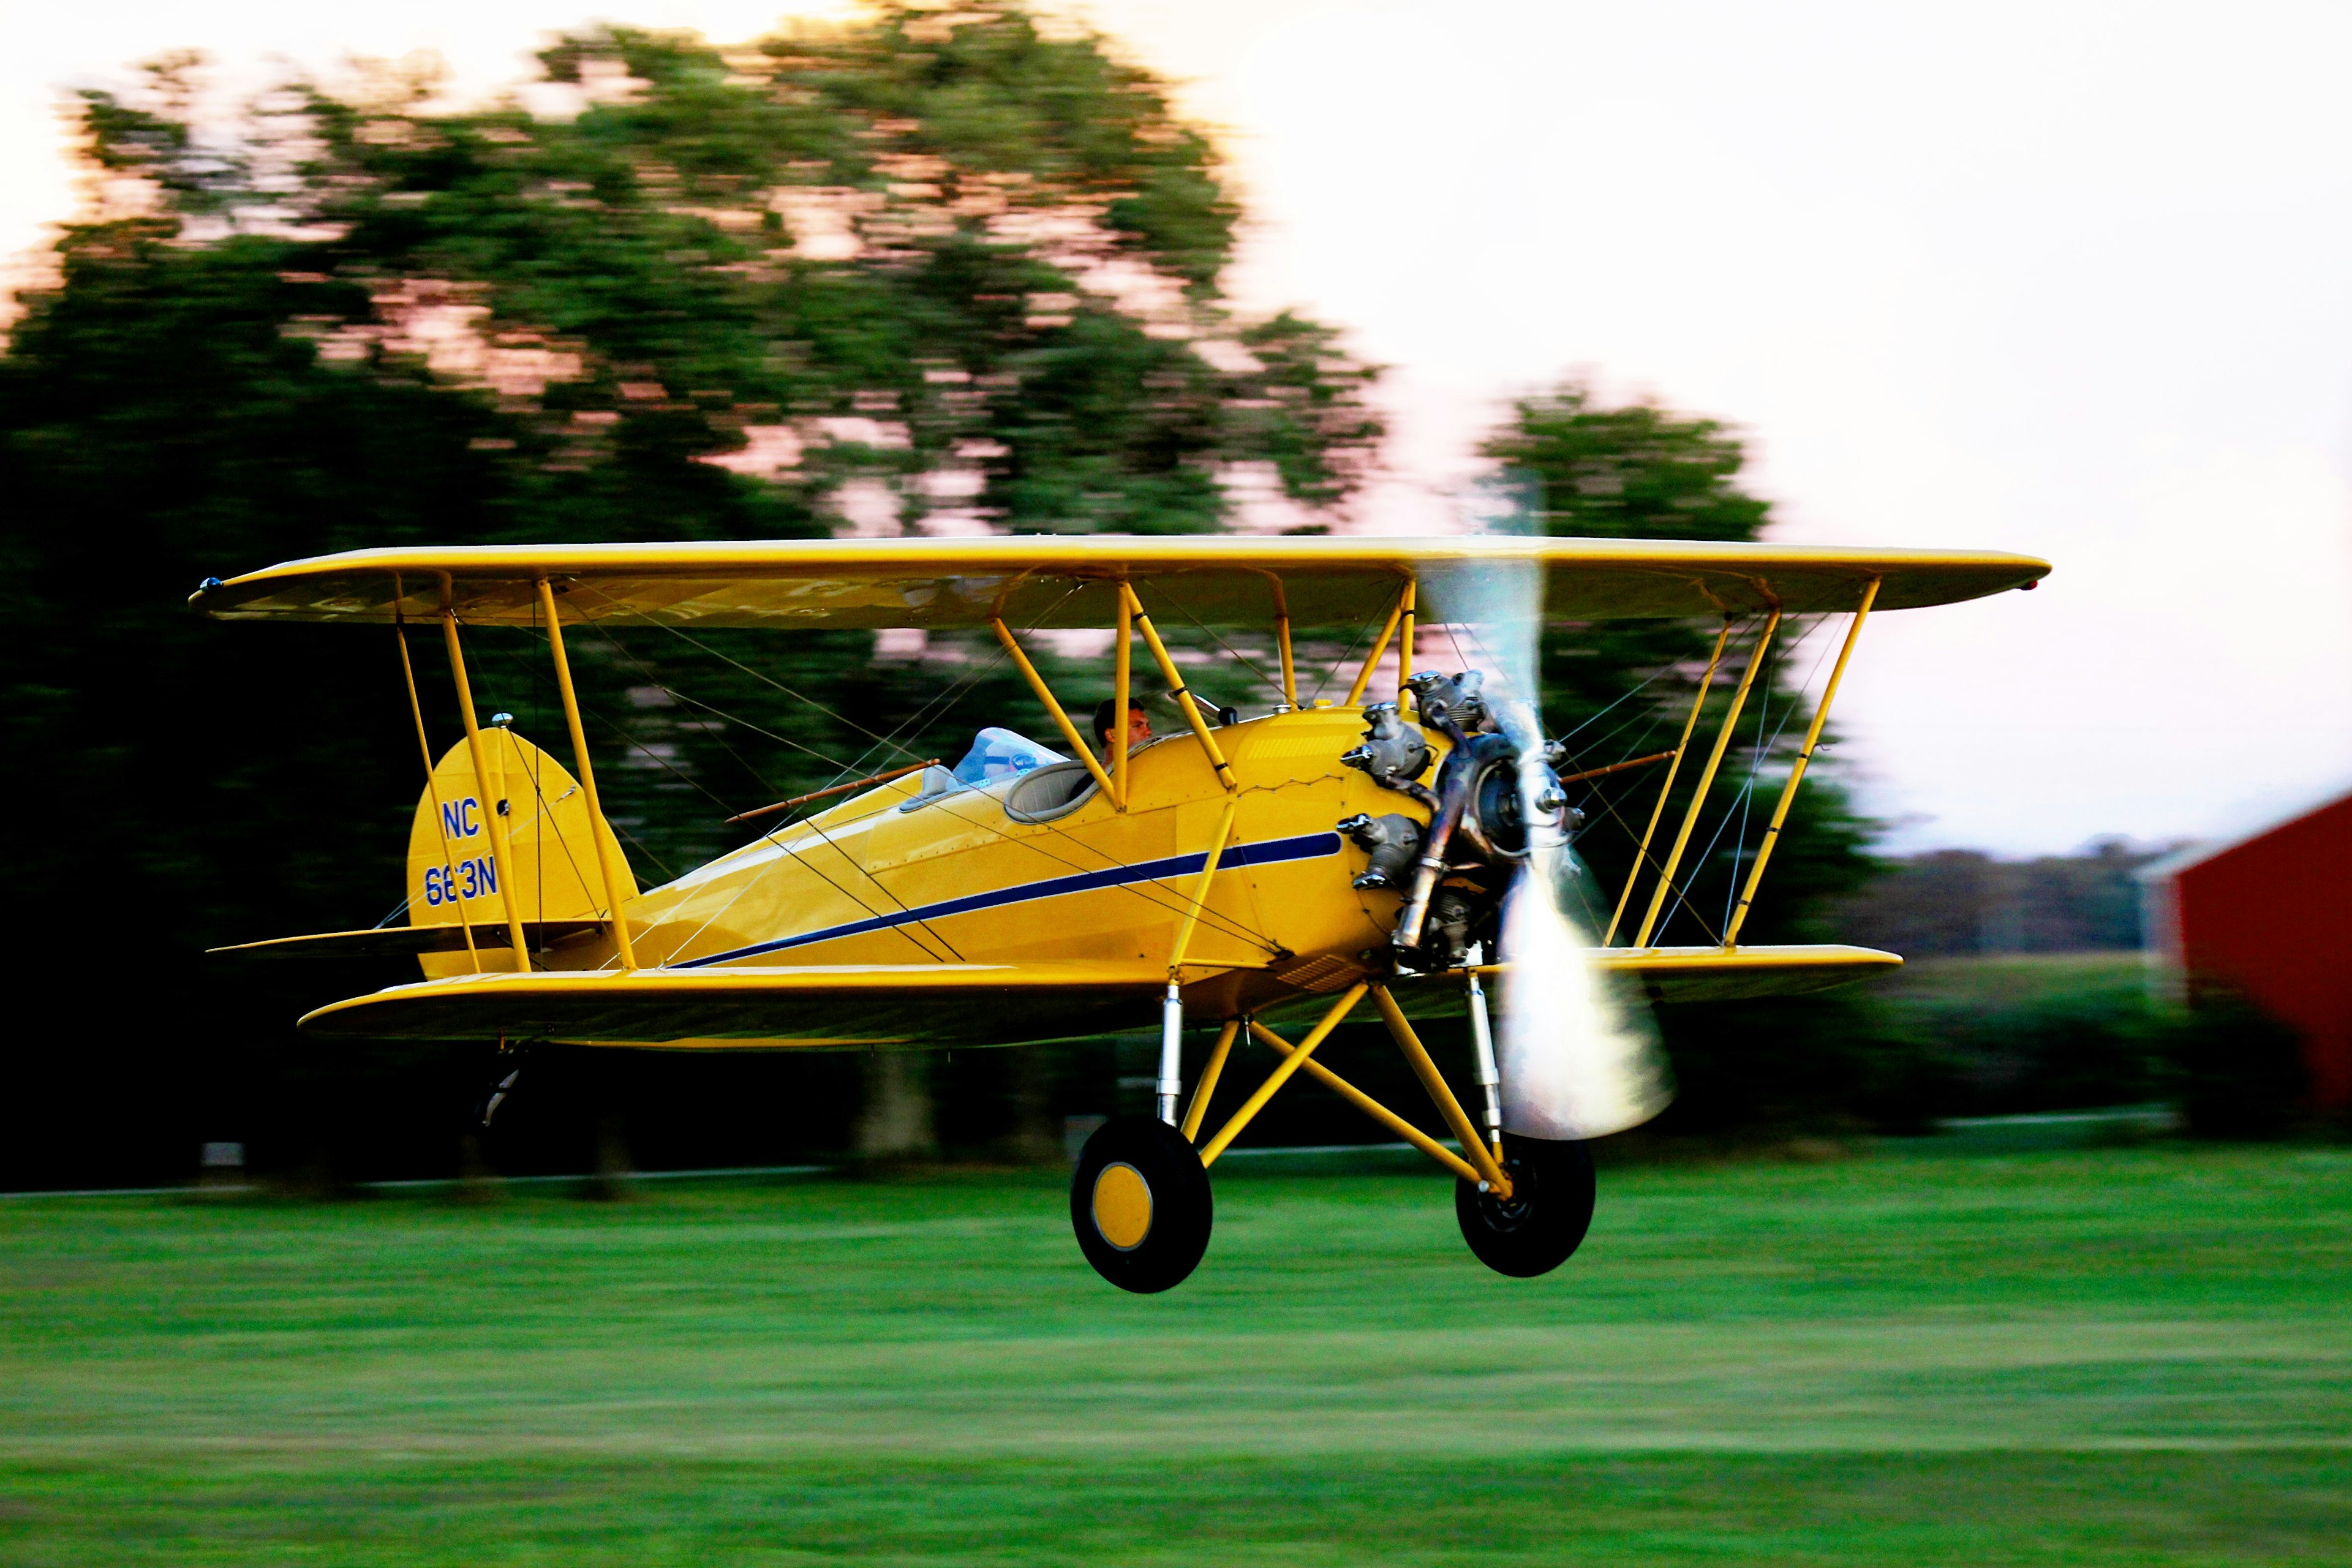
[(552, 843)]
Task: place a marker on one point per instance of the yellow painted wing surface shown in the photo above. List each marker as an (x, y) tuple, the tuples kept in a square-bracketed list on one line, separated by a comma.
[(950, 1004), (1068, 580), (1688, 974), (1712, 974), (811, 1006)]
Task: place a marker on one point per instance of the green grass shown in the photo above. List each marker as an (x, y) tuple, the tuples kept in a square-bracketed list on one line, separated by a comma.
[(2128, 1356), (2000, 982)]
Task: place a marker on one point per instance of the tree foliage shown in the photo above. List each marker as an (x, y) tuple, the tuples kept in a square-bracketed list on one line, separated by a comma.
[(943, 255), (928, 270), (917, 271)]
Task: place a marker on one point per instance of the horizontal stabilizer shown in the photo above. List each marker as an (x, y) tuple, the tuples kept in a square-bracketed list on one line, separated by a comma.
[(811, 1006), (408, 941)]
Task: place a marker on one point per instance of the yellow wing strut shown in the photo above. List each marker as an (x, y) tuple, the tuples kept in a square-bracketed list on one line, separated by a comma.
[(1171, 1082), (587, 775), (1380, 648), (1404, 643), (1658, 808), (1282, 1074), (497, 823), (432, 788), (1121, 687), (1282, 641), (1086, 754), (1707, 778), (1176, 687), (1796, 772)]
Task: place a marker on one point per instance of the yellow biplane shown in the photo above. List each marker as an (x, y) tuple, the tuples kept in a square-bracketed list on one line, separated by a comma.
[(1243, 872)]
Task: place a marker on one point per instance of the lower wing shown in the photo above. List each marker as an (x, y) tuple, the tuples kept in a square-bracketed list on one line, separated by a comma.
[(951, 1003), (1715, 974), (1685, 974)]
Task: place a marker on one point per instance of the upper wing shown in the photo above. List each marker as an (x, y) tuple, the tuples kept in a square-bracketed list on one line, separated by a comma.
[(1032, 581), (872, 1005)]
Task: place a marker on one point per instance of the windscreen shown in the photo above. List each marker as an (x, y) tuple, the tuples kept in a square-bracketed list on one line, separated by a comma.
[(1000, 754)]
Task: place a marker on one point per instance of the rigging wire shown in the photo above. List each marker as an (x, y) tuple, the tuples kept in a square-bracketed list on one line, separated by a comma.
[(754, 674), (937, 707), (1363, 633), (944, 701), (697, 784), (648, 671), (1225, 925), (1649, 719), (1644, 859), (1239, 656), (1213, 920), (1652, 678), (1772, 673), (768, 785), (813, 823), (1683, 894), (1756, 758)]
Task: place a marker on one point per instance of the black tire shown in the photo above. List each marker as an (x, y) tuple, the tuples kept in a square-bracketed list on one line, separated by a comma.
[(1549, 1209), (1140, 1180)]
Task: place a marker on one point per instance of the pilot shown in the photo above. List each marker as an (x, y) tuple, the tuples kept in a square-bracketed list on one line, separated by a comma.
[(1138, 725)]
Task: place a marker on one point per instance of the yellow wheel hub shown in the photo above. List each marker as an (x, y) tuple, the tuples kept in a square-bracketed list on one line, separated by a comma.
[(1122, 1206)]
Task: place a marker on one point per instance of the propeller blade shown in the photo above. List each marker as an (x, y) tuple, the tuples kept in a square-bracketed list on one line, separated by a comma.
[(1576, 1061)]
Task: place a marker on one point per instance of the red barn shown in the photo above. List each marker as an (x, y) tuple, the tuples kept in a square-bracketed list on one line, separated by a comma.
[(2270, 916)]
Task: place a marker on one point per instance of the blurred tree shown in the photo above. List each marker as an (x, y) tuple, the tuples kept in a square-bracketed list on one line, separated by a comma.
[(1964, 901), (2238, 1072), (928, 268)]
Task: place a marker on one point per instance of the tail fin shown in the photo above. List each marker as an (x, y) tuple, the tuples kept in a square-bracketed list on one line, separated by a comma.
[(551, 872)]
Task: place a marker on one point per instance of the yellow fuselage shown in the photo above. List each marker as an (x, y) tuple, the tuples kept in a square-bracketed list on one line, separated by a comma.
[(880, 880)]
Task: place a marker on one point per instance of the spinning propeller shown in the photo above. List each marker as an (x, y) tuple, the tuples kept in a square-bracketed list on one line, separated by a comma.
[(1494, 865)]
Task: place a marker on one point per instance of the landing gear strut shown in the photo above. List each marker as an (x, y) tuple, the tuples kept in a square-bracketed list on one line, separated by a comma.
[(1139, 1198)]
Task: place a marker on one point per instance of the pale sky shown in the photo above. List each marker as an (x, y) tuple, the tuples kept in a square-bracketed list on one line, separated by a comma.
[(2070, 280)]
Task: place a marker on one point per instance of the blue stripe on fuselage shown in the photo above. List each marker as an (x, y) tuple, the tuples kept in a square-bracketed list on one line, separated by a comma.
[(1307, 847)]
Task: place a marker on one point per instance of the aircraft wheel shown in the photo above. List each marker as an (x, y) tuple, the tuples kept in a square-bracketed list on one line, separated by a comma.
[(1139, 1202), (1545, 1219)]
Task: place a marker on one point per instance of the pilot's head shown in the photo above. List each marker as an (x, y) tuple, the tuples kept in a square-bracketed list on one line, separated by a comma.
[(1139, 726)]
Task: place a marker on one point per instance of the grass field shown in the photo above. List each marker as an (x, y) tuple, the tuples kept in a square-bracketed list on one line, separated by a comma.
[(1988, 982), (2123, 1356)]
